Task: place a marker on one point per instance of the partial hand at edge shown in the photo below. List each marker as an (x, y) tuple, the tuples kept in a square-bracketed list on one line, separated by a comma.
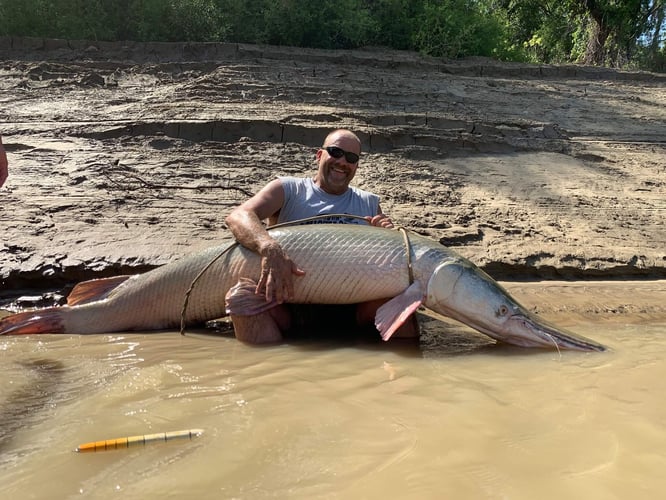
[(380, 220)]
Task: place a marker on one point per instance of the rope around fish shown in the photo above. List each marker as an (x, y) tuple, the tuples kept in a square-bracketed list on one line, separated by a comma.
[(405, 235)]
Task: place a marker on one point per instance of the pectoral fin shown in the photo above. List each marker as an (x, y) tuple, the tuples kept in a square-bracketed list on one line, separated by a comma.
[(395, 312), (242, 300)]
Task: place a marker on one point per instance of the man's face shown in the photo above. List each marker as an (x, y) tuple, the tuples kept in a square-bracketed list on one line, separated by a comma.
[(335, 174)]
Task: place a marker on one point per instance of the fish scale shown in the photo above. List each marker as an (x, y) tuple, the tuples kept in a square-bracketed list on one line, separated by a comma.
[(343, 263), (346, 265)]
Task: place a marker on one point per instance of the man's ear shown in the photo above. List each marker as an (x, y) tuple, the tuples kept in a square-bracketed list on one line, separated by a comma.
[(318, 154)]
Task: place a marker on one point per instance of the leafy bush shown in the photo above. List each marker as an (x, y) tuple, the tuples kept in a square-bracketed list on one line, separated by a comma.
[(456, 28), (534, 30)]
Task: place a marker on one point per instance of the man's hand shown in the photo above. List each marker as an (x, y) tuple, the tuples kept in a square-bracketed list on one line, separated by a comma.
[(3, 164), (380, 220), (277, 274)]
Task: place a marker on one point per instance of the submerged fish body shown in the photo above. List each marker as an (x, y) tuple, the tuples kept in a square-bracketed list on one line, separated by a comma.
[(344, 263)]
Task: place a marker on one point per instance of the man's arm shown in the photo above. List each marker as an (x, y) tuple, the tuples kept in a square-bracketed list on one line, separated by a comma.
[(3, 164), (245, 223)]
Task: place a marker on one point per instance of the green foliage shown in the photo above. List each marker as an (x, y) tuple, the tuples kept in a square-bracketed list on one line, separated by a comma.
[(614, 32), (142, 20), (393, 22), (455, 28), (611, 32), (329, 25), (241, 21)]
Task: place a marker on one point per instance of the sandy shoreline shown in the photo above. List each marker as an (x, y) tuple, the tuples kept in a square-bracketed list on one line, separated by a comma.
[(125, 157)]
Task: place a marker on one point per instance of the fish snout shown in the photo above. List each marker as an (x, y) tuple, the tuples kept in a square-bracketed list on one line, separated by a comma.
[(527, 330)]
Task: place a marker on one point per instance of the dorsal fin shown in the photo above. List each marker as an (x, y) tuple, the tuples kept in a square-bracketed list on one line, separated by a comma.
[(92, 290)]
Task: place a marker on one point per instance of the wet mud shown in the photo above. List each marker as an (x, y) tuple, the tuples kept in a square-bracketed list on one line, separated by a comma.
[(126, 156)]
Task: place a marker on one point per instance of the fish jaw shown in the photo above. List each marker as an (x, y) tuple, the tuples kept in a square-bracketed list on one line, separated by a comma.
[(527, 330), (460, 290)]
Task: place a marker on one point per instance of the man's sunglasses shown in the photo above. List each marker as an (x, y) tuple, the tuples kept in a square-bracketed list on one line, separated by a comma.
[(337, 152)]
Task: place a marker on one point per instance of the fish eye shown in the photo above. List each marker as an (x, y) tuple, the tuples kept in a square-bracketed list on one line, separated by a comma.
[(502, 311)]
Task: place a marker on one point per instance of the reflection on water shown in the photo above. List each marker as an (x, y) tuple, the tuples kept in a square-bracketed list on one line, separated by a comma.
[(454, 416)]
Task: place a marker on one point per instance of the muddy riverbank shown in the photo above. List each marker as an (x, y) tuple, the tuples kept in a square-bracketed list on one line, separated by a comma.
[(127, 156)]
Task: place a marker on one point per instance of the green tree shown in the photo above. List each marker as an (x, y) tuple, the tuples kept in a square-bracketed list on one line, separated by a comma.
[(613, 28), (627, 33), (611, 32), (243, 20), (393, 22), (327, 24), (457, 28)]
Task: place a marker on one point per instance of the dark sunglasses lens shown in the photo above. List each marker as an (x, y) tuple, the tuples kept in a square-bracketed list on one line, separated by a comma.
[(351, 157), (336, 152)]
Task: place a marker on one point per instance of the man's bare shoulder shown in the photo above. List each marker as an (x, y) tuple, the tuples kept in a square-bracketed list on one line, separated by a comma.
[(267, 202)]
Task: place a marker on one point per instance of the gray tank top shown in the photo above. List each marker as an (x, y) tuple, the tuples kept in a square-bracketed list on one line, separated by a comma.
[(303, 198)]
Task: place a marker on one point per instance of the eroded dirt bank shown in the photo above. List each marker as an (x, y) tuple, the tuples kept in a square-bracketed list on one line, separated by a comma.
[(126, 156)]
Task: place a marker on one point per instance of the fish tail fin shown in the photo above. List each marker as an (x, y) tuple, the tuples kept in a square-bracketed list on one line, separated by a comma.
[(48, 320)]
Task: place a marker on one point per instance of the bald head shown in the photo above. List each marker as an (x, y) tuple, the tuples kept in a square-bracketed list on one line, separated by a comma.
[(338, 160), (344, 136)]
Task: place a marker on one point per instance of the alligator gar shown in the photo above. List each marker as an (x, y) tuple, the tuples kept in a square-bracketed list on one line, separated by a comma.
[(344, 264)]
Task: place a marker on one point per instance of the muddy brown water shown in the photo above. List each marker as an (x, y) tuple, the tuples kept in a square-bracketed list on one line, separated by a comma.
[(455, 416)]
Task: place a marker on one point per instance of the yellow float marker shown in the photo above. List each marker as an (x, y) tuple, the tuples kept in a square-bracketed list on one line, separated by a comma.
[(126, 442)]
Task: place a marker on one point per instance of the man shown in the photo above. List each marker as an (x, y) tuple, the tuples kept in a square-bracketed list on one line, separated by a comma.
[(3, 164), (286, 199)]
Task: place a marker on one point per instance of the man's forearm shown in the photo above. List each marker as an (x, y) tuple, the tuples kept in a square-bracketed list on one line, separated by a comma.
[(275, 281), (249, 231)]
